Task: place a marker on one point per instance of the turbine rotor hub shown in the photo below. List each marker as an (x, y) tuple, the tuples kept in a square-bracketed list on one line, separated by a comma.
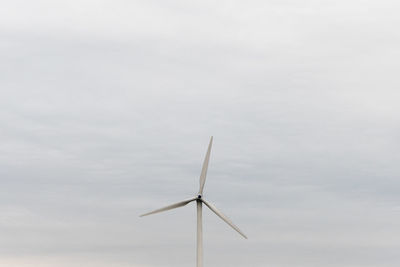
[(199, 196)]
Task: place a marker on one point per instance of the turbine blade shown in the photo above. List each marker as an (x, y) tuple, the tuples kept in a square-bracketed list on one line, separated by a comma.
[(205, 167), (223, 217), (170, 207)]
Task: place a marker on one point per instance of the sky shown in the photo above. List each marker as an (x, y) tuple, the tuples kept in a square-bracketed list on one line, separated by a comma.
[(107, 108)]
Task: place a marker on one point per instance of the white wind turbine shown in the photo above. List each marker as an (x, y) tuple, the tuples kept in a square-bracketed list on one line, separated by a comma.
[(199, 202)]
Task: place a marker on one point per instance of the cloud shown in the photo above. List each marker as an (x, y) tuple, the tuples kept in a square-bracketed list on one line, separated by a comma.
[(107, 109)]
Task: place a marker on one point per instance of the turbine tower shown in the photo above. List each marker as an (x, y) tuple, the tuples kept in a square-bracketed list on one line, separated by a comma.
[(199, 203)]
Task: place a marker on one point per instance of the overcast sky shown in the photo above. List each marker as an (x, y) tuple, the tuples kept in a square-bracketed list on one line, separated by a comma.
[(107, 108)]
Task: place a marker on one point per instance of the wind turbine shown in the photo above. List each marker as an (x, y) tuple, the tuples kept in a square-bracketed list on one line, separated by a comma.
[(199, 203)]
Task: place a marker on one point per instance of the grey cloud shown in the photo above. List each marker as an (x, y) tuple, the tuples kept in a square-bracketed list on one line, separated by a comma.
[(106, 111)]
